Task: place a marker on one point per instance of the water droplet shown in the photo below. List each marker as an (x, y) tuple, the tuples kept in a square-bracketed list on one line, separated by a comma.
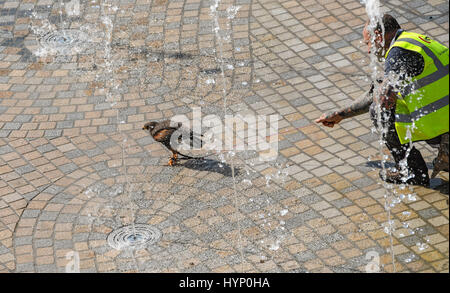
[(422, 246), (406, 213), (412, 197), (247, 182), (232, 11), (275, 246), (268, 179)]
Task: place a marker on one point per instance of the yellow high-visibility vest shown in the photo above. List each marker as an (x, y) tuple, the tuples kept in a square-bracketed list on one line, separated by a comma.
[(422, 110)]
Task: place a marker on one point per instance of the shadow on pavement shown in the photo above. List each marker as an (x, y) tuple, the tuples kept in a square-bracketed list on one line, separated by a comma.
[(377, 164), (211, 166), (440, 185)]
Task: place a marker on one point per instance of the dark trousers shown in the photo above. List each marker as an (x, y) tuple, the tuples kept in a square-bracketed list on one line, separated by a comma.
[(416, 163)]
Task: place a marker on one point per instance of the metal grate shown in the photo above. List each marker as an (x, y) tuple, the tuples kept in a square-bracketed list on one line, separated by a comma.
[(133, 237), (64, 42)]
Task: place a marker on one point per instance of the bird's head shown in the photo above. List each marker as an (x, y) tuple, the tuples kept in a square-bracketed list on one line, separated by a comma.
[(149, 126)]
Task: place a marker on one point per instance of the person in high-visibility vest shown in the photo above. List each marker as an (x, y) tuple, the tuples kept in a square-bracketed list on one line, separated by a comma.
[(413, 97)]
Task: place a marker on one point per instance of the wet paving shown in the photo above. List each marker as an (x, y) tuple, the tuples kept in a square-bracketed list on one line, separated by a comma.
[(79, 177)]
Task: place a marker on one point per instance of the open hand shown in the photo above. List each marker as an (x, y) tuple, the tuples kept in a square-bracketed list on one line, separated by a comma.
[(329, 119)]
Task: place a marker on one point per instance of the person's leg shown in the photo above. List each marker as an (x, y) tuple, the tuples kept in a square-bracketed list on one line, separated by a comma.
[(417, 168), (440, 163), (435, 142)]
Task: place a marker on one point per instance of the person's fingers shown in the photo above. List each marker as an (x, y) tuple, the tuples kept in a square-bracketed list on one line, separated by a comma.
[(322, 118)]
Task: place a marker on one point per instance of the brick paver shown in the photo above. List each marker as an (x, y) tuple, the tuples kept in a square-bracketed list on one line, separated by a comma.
[(75, 164)]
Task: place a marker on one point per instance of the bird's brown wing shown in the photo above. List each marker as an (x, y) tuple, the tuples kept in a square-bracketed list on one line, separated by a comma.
[(163, 136)]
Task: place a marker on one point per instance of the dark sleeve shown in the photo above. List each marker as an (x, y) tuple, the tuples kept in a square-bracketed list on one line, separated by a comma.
[(358, 107), (403, 62)]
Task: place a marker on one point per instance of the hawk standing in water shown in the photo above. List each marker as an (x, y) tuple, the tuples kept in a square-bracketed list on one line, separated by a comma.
[(163, 131)]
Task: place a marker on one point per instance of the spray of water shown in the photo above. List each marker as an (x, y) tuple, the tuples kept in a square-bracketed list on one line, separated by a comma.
[(375, 18), (214, 12), (397, 81), (114, 97)]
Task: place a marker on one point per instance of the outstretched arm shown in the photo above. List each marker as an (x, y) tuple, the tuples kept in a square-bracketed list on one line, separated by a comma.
[(387, 96), (360, 106)]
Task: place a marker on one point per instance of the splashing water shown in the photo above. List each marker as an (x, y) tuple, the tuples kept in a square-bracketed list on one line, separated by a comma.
[(113, 96), (421, 246), (232, 12), (268, 179), (410, 258), (375, 17), (394, 80), (275, 246), (247, 183), (214, 13)]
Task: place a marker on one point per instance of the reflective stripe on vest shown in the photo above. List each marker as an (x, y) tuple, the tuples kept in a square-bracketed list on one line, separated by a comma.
[(441, 72), (441, 103), (423, 108)]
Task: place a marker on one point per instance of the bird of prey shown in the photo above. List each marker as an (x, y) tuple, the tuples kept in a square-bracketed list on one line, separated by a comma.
[(163, 131)]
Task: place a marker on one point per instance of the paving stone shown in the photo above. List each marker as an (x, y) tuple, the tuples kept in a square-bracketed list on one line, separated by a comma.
[(61, 132), (22, 240), (429, 213)]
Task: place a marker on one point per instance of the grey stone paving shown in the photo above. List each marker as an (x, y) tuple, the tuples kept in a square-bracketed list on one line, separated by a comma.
[(68, 177)]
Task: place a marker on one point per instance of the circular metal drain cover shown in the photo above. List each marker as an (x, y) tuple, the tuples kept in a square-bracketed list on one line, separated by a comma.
[(66, 42), (136, 237)]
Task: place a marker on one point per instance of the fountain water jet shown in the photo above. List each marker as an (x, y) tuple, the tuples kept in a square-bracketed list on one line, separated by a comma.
[(232, 11), (375, 18)]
